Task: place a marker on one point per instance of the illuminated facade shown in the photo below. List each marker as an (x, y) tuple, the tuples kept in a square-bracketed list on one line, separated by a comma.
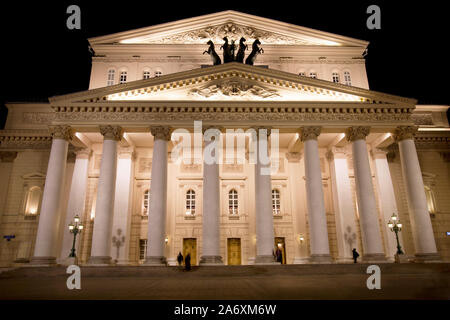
[(348, 157)]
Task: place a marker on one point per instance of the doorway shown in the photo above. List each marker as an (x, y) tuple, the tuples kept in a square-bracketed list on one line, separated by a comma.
[(279, 244), (234, 251), (190, 246)]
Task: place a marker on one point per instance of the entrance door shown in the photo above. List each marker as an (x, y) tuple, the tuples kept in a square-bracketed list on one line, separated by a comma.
[(234, 251), (190, 246), (279, 243)]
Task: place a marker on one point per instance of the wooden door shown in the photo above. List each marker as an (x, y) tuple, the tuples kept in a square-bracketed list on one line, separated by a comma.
[(234, 251), (190, 246)]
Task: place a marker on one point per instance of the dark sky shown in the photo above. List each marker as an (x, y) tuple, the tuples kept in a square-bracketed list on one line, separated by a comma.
[(408, 57)]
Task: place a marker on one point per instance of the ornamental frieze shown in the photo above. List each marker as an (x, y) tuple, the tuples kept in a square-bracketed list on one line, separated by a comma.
[(232, 31), (238, 116)]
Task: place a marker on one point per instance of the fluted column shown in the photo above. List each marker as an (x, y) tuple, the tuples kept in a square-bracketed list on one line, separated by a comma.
[(370, 226), (211, 200), (101, 237), (158, 198), (422, 229), (263, 201), (320, 250), (45, 246), (77, 198)]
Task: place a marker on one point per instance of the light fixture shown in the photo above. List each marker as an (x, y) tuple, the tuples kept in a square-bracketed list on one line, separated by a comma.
[(395, 226), (166, 240), (75, 227)]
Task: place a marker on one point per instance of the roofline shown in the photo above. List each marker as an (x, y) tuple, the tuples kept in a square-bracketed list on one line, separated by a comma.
[(223, 14)]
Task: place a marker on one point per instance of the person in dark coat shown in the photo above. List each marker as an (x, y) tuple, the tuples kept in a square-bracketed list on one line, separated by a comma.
[(180, 258), (279, 255), (187, 262), (355, 255)]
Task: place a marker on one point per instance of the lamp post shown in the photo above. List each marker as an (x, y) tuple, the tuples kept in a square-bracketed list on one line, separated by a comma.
[(75, 227), (395, 226)]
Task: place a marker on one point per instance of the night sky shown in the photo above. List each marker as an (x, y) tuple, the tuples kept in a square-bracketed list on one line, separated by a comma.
[(408, 57)]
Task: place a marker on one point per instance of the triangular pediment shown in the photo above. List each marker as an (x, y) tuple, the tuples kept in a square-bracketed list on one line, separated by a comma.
[(229, 82), (234, 25)]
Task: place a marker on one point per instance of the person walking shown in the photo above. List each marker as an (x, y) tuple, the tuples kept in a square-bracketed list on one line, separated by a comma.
[(187, 262), (180, 258), (355, 255)]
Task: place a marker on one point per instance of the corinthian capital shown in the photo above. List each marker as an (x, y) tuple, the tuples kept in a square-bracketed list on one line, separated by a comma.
[(308, 133), (111, 132), (61, 132), (405, 132), (161, 132), (357, 133)]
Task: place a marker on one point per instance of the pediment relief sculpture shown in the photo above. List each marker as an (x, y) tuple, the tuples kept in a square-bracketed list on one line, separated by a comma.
[(233, 88)]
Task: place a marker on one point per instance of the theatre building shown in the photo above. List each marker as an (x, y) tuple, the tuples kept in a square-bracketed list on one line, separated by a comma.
[(343, 158)]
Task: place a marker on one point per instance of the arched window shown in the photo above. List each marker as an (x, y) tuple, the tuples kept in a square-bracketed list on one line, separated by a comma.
[(302, 73), (276, 204), (123, 76), (33, 201), (145, 202), (431, 203), (190, 202), (335, 77), (111, 76), (158, 73), (313, 74), (233, 202), (146, 74), (347, 78)]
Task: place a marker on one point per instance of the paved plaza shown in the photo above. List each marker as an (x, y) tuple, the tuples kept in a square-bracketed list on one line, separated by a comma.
[(279, 282)]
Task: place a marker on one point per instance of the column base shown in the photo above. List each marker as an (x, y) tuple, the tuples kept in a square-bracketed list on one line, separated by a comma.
[(99, 261), (155, 261), (211, 261), (70, 261), (43, 261), (427, 257), (374, 257), (320, 258), (260, 260), (344, 260)]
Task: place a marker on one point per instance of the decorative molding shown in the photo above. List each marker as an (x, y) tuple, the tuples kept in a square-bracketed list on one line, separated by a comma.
[(8, 156), (404, 132), (432, 142), (61, 132), (25, 139), (336, 152), (111, 132), (38, 117), (161, 132), (308, 133), (233, 88), (357, 133), (422, 119)]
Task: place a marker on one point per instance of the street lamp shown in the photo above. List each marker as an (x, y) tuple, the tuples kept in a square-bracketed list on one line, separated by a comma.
[(395, 226), (75, 227)]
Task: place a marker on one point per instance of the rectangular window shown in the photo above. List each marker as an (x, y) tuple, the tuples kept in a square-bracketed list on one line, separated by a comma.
[(313, 75), (347, 79), (111, 74), (335, 77), (123, 77), (142, 248), (146, 74)]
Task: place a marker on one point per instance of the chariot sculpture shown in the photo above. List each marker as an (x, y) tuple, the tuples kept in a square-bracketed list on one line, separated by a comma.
[(229, 52)]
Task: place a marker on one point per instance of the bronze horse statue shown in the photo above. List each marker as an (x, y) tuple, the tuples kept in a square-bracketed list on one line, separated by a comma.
[(212, 53), (241, 52), (255, 51), (228, 51)]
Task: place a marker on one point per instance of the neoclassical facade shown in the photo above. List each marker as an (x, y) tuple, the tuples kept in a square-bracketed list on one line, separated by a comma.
[(131, 156)]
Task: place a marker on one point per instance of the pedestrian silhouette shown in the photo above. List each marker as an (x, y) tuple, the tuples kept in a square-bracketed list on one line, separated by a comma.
[(279, 255), (355, 255), (187, 262), (180, 258)]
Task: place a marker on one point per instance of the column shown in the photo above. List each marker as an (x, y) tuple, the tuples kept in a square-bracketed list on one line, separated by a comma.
[(104, 209), (386, 200), (422, 229), (158, 198), (76, 201), (320, 250), (6, 164), (45, 246), (346, 227), (211, 199), (370, 226), (122, 207), (263, 201)]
